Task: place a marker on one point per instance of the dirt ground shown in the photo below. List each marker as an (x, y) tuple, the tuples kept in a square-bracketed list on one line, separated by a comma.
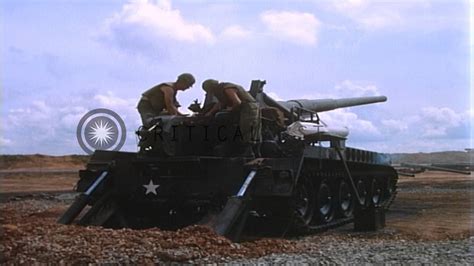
[(39, 161), (34, 173), (433, 205), (36, 181)]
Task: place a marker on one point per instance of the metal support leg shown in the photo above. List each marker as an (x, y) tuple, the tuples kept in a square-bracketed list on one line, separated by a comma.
[(81, 201), (354, 188), (235, 212)]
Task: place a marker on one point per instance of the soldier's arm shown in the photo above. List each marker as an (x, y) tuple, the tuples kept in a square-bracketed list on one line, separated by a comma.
[(169, 100), (235, 102), (216, 107)]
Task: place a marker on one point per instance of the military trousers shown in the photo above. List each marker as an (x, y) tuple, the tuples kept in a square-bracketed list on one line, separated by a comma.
[(250, 122), (147, 113)]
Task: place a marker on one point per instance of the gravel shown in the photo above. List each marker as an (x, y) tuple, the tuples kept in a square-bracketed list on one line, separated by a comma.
[(334, 250)]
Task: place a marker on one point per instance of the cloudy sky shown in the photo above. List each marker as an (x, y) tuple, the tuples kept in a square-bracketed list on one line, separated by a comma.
[(60, 59)]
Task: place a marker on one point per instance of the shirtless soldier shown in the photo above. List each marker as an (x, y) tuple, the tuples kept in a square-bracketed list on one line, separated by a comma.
[(234, 98), (161, 99)]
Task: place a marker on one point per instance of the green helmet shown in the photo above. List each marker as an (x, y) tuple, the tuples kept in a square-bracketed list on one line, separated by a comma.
[(209, 84), (186, 78)]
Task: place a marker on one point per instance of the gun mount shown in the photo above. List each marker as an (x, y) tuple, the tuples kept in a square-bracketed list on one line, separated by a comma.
[(189, 171)]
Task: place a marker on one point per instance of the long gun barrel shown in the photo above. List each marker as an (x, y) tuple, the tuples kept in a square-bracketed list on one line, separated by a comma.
[(322, 105), (436, 168)]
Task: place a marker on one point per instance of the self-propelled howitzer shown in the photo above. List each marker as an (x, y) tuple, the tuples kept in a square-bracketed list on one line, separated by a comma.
[(189, 170)]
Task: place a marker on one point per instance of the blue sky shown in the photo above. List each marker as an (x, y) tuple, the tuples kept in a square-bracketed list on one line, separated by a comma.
[(60, 59)]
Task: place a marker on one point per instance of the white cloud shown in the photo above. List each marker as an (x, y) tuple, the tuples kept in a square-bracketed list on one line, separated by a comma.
[(395, 126), (36, 111), (235, 32), (346, 88), (375, 15), (109, 100), (357, 89), (432, 129), (371, 15), (357, 126), (154, 21), (70, 120), (350, 4), (125, 108), (437, 121), (428, 126), (297, 27), (442, 115), (36, 120), (4, 142), (50, 127)]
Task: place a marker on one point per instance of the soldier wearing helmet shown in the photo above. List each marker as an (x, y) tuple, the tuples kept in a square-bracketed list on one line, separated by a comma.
[(161, 99), (235, 98)]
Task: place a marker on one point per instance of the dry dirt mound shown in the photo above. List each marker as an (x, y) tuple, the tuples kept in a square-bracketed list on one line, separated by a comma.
[(10, 162), (79, 161), (29, 234), (445, 157)]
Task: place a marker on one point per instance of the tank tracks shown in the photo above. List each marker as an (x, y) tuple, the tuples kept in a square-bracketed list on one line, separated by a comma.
[(390, 179), (344, 221)]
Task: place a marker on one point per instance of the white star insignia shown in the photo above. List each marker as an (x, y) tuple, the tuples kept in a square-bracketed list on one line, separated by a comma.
[(151, 188)]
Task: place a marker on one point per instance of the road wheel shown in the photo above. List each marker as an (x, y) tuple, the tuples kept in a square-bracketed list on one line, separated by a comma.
[(345, 200), (362, 191), (325, 203), (376, 192), (304, 203)]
